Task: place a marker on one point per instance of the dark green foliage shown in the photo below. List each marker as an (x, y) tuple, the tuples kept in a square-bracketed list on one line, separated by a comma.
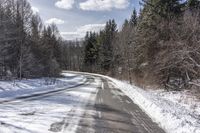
[(98, 54), (106, 49), (28, 49), (159, 46), (91, 49), (72, 55), (126, 23), (164, 8), (133, 20), (193, 4)]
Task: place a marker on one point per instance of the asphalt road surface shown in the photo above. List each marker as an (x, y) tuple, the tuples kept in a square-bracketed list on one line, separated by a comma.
[(95, 106), (116, 113)]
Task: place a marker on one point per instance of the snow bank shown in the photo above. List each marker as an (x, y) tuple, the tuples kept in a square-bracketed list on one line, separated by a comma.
[(10, 89), (175, 112), (165, 108), (57, 113)]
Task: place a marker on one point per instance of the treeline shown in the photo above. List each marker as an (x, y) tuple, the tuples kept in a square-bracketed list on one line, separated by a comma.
[(72, 55), (98, 52), (160, 45), (28, 48)]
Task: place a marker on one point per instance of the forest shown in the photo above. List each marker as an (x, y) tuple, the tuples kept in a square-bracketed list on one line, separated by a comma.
[(29, 49), (159, 45)]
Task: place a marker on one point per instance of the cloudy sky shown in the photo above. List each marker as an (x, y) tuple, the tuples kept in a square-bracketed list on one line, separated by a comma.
[(75, 17)]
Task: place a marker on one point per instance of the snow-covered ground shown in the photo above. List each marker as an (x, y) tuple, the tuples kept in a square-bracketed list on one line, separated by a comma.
[(11, 89), (175, 112), (47, 114)]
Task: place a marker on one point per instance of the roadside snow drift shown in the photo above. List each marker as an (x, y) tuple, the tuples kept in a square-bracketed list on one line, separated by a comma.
[(175, 112), (59, 112), (12, 89), (168, 109)]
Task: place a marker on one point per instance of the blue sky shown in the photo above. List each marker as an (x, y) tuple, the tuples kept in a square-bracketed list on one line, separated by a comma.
[(75, 17)]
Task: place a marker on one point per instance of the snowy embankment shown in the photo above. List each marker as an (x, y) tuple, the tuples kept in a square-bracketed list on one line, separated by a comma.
[(12, 89), (175, 112), (60, 112)]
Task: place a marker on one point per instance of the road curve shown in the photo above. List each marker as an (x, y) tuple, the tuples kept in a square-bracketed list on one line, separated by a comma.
[(95, 106), (114, 112)]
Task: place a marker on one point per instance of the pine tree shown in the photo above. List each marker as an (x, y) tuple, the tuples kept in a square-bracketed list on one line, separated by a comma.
[(193, 4), (163, 8), (133, 20), (49, 46), (106, 47), (125, 24), (8, 39), (26, 50), (56, 39), (91, 51), (36, 44), (152, 29)]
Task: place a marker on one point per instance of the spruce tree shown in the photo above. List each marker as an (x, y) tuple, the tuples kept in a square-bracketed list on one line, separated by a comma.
[(91, 51), (163, 8), (193, 4), (106, 48), (133, 20)]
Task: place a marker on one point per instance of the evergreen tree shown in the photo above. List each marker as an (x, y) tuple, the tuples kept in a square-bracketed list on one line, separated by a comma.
[(193, 4), (133, 20), (153, 28), (91, 50), (36, 44), (26, 49), (164, 8), (106, 51), (125, 24)]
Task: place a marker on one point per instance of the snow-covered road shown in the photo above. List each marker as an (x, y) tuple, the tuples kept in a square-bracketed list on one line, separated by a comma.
[(84, 103)]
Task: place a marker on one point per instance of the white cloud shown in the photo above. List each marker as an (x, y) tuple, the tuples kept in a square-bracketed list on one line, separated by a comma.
[(71, 35), (104, 5), (65, 4), (55, 21), (35, 10), (90, 27), (81, 31)]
